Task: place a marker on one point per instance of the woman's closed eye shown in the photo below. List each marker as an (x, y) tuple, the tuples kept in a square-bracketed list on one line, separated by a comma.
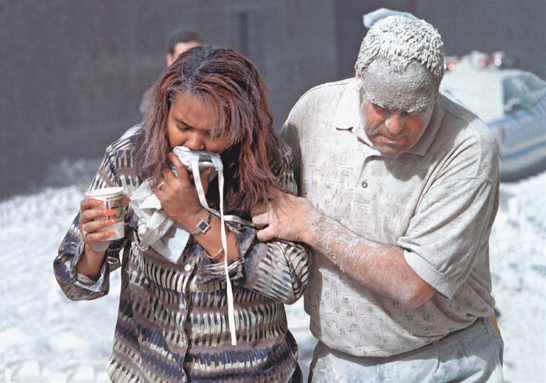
[(213, 134)]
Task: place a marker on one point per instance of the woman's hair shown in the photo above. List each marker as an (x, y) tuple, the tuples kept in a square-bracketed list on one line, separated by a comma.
[(230, 84)]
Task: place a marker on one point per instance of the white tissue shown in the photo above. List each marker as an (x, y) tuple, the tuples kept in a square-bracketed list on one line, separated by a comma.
[(155, 227)]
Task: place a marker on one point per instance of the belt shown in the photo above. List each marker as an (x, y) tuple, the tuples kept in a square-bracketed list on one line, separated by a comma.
[(493, 319)]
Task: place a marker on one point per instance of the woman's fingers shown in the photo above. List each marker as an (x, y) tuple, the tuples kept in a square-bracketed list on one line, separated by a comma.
[(97, 236), (94, 217), (168, 179), (179, 166), (205, 179), (93, 226), (179, 195), (95, 214), (90, 203), (160, 184)]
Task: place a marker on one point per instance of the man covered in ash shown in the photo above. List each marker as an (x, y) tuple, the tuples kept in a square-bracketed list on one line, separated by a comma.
[(399, 193)]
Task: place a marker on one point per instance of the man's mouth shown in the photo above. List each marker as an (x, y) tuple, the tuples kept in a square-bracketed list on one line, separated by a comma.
[(392, 140)]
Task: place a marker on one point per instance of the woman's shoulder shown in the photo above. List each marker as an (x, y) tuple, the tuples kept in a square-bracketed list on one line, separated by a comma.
[(125, 143), (120, 157), (282, 167), (280, 157)]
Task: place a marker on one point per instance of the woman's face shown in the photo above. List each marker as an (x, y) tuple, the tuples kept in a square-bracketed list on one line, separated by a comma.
[(190, 123)]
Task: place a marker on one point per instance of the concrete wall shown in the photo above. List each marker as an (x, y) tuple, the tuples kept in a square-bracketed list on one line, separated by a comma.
[(73, 72)]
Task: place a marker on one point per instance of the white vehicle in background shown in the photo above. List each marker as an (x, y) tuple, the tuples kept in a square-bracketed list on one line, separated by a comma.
[(511, 102)]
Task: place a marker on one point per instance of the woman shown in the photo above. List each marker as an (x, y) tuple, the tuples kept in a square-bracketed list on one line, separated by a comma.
[(173, 318)]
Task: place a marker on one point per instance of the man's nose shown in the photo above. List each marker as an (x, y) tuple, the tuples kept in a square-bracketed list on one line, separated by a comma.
[(394, 123)]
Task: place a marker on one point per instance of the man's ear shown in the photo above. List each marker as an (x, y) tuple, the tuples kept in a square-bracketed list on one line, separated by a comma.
[(358, 78), (436, 94)]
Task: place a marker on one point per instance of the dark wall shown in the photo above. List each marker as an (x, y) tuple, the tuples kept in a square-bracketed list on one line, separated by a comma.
[(350, 28), (73, 72), (517, 27), (69, 81)]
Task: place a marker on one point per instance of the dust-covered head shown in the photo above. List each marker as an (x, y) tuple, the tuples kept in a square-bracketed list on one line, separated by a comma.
[(399, 41)]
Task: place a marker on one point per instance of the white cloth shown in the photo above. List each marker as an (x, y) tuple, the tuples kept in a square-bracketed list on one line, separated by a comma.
[(155, 227)]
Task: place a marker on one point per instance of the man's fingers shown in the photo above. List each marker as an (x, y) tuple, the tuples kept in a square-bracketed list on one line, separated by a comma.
[(260, 220), (274, 193), (259, 209), (265, 234)]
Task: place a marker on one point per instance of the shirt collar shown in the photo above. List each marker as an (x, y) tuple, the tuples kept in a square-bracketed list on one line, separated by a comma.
[(348, 117)]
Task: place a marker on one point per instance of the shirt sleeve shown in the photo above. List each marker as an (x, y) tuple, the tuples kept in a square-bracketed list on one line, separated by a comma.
[(277, 269), (74, 285), (450, 230)]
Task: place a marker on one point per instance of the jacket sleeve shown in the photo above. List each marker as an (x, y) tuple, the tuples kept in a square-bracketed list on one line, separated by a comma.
[(277, 269), (74, 285)]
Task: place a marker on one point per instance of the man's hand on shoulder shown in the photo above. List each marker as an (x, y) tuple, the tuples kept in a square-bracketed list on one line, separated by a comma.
[(381, 268), (283, 216)]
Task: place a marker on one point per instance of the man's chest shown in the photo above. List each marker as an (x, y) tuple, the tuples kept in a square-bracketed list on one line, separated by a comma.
[(373, 195)]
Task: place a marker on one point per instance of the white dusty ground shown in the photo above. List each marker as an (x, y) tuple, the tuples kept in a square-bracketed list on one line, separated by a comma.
[(44, 337)]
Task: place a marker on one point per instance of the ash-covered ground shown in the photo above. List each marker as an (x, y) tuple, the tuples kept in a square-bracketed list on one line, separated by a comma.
[(44, 337)]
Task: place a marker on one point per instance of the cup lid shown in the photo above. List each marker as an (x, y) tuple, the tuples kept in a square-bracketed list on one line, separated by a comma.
[(110, 191)]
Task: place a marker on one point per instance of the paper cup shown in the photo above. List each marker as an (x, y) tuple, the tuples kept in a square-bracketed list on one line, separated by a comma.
[(113, 199)]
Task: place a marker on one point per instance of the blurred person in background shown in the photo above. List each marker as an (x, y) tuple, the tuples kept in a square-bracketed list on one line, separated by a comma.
[(175, 320), (399, 193), (178, 41)]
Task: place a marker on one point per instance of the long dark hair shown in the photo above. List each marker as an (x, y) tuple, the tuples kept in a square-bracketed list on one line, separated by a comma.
[(228, 82)]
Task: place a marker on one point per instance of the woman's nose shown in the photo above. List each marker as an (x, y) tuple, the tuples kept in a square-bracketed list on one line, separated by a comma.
[(195, 142)]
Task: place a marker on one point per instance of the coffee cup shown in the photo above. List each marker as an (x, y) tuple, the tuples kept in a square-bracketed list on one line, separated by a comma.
[(113, 200)]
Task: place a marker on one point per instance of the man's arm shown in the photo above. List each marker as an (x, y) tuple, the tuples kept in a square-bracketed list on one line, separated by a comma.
[(380, 268)]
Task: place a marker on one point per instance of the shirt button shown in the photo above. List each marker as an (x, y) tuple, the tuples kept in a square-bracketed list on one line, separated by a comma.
[(364, 184), (187, 267), (181, 344)]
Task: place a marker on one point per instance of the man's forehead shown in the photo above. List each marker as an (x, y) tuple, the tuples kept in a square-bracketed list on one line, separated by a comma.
[(409, 89)]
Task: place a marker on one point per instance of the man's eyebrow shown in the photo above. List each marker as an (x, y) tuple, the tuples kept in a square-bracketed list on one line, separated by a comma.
[(417, 109), (379, 105)]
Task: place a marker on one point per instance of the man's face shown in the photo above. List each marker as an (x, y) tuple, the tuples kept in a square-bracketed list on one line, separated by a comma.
[(396, 107), (180, 48)]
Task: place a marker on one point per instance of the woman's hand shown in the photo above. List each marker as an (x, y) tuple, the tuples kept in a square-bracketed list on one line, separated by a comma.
[(178, 194), (180, 200), (90, 222)]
